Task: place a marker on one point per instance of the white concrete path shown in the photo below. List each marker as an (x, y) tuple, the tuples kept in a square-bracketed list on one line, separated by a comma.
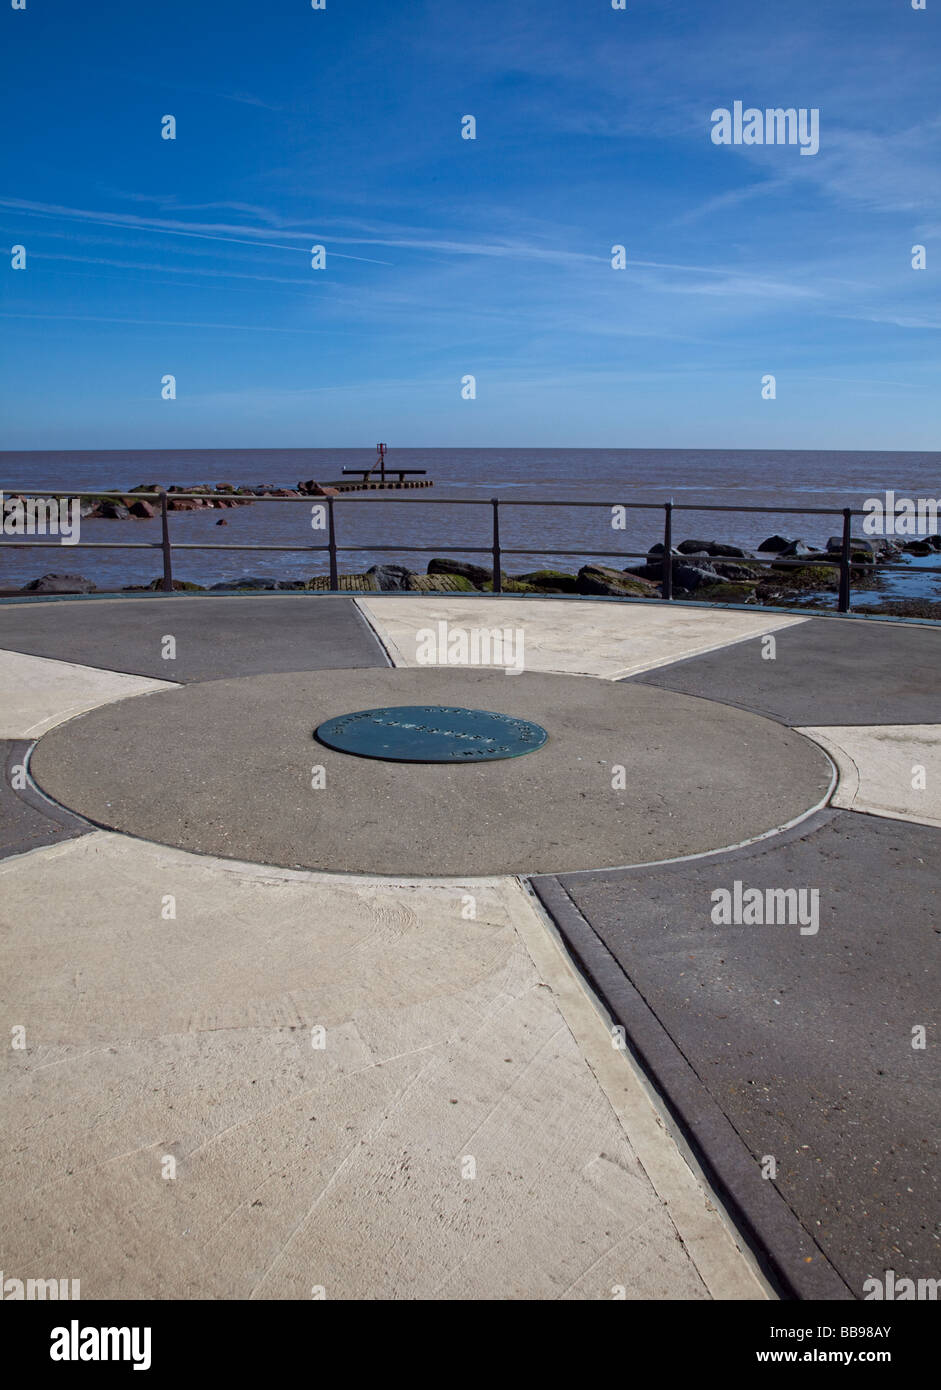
[(886, 769), (610, 640), (36, 693), (467, 1130)]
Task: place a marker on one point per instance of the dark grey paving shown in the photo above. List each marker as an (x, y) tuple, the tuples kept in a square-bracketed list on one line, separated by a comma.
[(27, 820), (826, 671), (215, 637), (224, 767), (802, 1042)]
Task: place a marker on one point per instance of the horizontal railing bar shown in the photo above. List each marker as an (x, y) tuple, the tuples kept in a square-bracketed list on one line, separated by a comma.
[(217, 545), (808, 562), (81, 545), (437, 501)]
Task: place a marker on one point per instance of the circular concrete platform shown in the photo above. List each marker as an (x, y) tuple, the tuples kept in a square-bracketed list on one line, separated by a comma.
[(629, 775)]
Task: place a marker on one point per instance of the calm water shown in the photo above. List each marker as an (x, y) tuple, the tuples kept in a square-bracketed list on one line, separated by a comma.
[(710, 477)]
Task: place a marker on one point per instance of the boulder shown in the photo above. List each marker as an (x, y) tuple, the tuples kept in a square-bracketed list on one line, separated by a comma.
[(550, 579), (179, 586), (734, 552), (694, 547), (249, 581), (875, 545), (737, 572), (59, 584), (391, 576), (777, 542), (141, 508), (611, 583), (685, 576), (477, 574), (116, 511), (794, 550)]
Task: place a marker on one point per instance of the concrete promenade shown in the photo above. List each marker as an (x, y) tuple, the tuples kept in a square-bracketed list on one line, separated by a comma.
[(286, 1021)]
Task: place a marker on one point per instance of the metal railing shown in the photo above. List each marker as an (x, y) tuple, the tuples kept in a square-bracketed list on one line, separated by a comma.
[(844, 561)]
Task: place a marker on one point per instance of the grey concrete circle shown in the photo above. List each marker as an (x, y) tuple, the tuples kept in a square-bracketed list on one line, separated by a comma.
[(629, 775)]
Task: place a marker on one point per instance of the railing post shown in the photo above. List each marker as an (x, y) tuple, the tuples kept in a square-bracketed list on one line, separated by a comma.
[(843, 605), (666, 587), (497, 581), (332, 543), (165, 543)]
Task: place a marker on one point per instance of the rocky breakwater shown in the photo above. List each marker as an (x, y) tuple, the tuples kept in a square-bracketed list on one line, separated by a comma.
[(117, 506), (704, 570)]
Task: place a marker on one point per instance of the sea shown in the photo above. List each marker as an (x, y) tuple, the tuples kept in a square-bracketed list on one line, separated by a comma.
[(433, 517)]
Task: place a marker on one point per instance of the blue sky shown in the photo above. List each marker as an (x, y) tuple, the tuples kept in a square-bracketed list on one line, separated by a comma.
[(448, 257)]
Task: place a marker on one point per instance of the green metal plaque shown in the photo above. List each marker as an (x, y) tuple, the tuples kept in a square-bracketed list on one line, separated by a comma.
[(432, 734)]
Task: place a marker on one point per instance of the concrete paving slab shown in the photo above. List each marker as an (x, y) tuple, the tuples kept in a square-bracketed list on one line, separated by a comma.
[(28, 820), (628, 775), (807, 1043), (825, 671), (214, 637), (36, 693), (609, 640), (170, 1131), (887, 769)]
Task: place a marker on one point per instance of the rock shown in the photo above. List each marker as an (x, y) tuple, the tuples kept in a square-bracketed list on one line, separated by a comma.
[(60, 584), (555, 580), (183, 504), (738, 572), (142, 509), (179, 586), (391, 576), (875, 545), (777, 542), (796, 549), (477, 574), (734, 552), (919, 548), (803, 577), (249, 581), (693, 577), (658, 549), (685, 576), (708, 548), (612, 583), (222, 521), (116, 511), (291, 584), (728, 593)]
